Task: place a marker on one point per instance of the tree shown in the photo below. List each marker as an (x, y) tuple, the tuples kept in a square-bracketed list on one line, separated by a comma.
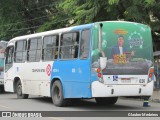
[(142, 11), (21, 17)]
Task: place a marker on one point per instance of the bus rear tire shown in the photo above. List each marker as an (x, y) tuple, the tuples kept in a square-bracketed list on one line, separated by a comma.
[(106, 100), (57, 94), (20, 95), (2, 89)]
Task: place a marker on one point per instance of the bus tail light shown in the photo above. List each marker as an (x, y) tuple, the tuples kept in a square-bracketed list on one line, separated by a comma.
[(150, 75), (99, 74), (98, 70), (151, 72)]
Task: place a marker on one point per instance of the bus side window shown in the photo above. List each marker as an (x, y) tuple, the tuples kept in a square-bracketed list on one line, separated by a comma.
[(20, 51), (34, 49), (85, 44), (69, 45), (9, 58), (50, 48), (76, 45)]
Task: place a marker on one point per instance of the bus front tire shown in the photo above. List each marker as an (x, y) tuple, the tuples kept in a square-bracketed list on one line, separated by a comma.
[(20, 95), (106, 100), (57, 94)]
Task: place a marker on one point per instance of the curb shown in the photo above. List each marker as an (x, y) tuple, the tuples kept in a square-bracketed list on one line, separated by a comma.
[(155, 100), (139, 99)]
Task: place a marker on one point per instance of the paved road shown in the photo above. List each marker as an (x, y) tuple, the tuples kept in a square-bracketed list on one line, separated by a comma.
[(9, 102)]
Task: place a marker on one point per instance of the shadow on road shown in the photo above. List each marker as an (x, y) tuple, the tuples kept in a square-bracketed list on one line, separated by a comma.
[(5, 93), (76, 104), (87, 104)]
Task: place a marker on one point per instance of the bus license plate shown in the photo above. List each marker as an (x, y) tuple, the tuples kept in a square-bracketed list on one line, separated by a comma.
[(125, 80)]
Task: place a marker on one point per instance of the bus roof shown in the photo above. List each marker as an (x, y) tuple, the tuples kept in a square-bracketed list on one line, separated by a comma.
[(56, 31)]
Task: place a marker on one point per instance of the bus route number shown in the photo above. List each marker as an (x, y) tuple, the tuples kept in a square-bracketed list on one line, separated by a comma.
[(141, 80), (55, 70)]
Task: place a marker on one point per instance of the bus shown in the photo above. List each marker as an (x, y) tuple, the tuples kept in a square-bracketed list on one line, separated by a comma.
[(101, 60), (3, 45)]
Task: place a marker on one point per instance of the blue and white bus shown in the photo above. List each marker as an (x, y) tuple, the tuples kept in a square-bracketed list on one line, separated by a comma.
[(3, 45), (102, 60)]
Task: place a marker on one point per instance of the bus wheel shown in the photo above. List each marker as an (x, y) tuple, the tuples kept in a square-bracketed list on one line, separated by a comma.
[(19, 91), (57, 94), (106, 100), (2, 89)]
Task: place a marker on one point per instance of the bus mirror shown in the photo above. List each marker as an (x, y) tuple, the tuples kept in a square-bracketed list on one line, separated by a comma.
[(103, 62)]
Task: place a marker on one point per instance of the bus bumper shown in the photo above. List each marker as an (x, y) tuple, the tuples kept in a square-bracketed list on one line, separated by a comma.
[(102, 90)]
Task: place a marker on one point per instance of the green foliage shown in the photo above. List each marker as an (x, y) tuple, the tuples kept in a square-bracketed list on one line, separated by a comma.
[(19, 17), (112, 2)]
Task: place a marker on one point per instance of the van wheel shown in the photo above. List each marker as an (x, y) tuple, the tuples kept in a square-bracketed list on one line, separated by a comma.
[(19, 91), (106, 100), (57, 94)]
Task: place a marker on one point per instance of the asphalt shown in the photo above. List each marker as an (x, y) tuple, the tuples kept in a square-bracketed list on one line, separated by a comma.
[(155, 96)]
